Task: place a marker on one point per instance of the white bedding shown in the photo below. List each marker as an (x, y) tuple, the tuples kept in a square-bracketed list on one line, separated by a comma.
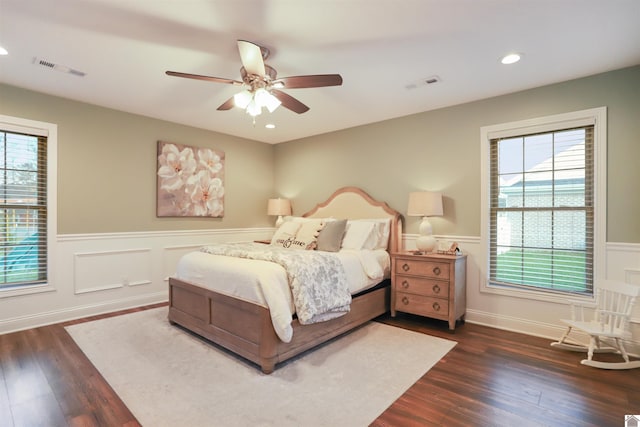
[(266, 283)]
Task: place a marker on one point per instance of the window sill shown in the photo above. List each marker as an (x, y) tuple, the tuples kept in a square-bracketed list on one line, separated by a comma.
[(26, 290), (546, 296)]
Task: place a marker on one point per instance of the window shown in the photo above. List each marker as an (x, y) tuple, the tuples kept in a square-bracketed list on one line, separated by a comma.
[(23, 209), (26, 158), (541, 211)]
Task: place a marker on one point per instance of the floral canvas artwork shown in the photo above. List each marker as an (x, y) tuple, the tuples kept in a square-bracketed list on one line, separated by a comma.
[(190, 181)]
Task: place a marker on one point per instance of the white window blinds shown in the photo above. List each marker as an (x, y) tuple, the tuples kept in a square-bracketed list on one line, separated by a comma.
[(542, 211), (23, 209)]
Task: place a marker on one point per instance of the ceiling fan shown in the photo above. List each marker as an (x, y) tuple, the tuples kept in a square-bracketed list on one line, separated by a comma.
[(261, 85)]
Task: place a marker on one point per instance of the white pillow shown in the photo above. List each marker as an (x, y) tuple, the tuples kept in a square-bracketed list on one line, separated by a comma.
[(357, 235), (379, 237)]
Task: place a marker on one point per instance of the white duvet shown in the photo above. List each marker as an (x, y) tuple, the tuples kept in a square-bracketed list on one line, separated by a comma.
[(266, 283)]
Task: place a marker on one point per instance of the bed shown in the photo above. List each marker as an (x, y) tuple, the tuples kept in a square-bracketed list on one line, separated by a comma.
[(246, 327)]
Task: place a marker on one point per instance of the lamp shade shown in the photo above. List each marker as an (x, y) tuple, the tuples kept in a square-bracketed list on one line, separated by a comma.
[(242, 99), (425, 203), (279, 207), (264, 99)]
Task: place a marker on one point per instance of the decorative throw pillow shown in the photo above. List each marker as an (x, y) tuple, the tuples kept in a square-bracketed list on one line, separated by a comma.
[(307, 235), (287, 231), (330, 237)]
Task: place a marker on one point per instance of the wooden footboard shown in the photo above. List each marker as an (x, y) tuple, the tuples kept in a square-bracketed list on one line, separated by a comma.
[(245, 328)]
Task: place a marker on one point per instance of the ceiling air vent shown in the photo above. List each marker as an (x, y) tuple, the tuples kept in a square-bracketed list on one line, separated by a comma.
[(62, 68), (427, 81), (431, 80)]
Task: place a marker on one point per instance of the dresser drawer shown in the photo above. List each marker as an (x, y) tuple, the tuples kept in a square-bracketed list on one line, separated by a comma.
[(422, 305), (422, 286), (438, 270)]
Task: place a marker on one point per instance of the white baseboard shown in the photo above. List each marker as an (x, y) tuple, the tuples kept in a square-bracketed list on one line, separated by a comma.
[(537, 329), (63, 315), (514, 324)]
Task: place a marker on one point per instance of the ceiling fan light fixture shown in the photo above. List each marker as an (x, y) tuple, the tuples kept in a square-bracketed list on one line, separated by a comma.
[(253, 109), (242, 99), (265, 99)]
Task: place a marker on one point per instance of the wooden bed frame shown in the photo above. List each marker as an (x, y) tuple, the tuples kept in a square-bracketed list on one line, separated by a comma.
[(245, 328)]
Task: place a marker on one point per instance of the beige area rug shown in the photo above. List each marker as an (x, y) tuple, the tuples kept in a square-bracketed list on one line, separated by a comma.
[(168, 377)]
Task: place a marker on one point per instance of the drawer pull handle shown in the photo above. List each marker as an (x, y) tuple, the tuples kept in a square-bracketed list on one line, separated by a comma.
[(405, 284), (436, 271), (405, 267), (436, 289), (436, 306), (405, 300)]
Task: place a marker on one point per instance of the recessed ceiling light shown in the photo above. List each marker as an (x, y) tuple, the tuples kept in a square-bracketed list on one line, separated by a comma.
[(270, 126), (3, 51), (511, 58)]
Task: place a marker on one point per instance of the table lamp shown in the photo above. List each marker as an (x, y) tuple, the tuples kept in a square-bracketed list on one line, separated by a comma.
[(425, 204), (279, 207)]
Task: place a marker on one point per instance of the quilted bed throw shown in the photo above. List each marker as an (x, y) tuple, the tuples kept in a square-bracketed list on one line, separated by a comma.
[(318, 280)]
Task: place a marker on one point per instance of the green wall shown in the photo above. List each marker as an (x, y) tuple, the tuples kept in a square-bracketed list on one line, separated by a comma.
[(440, 150), (107, 159), (107, 167)]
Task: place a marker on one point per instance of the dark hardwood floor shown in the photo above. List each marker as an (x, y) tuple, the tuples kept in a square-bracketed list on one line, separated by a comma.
[(490, 378)]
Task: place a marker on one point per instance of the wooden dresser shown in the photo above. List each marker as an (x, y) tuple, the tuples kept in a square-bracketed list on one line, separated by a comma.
[(430, 285)]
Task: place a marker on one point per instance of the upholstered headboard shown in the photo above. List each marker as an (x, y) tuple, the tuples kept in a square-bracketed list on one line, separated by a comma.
[(355, 203)]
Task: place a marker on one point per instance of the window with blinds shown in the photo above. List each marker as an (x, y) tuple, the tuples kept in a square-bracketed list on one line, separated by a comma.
[(23, 210), (541, 211)]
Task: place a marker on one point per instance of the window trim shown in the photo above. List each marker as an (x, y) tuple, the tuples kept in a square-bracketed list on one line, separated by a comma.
[(593, 116), (50, 130)]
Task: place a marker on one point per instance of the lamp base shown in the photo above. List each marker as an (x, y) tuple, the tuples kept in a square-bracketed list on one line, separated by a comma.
[(279, 221), (426, 243)]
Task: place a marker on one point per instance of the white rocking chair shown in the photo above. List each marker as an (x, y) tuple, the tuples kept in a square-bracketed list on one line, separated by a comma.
[(610, 324)]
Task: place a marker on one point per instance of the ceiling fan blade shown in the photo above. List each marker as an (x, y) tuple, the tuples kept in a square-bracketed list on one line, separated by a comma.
[(251, 57), (318, 80), (206, 78), (227, 105), (290, 102)]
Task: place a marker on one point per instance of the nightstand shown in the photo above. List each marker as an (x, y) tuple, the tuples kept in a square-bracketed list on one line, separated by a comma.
[(430, 285)]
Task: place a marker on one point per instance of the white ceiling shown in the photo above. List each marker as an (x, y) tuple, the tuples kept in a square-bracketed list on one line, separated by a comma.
[(380, 47)]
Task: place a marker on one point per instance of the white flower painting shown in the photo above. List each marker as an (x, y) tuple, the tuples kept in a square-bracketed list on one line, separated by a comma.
[(190, 181)]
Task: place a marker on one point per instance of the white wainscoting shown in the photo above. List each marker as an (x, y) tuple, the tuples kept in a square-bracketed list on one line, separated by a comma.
[(101, 273)]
